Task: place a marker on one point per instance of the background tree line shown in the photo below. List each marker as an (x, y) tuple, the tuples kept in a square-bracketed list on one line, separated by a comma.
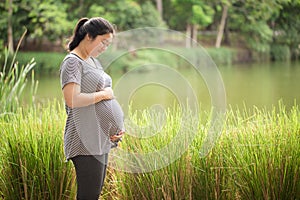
[(262, 26)]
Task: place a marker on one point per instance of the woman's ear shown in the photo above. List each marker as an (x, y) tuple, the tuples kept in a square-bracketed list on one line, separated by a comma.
[(88, 37)]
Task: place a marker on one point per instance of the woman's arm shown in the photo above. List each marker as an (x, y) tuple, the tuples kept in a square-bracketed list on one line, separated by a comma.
[(74, 98)]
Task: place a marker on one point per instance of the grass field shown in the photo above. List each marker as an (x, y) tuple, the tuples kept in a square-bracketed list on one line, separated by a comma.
[(256, 157)]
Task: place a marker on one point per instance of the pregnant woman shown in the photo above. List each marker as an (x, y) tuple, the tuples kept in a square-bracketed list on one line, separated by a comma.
[(94, 118)]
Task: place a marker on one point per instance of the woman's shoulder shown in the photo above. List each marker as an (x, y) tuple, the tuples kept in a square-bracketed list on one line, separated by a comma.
[(71, 61), (71, 58)]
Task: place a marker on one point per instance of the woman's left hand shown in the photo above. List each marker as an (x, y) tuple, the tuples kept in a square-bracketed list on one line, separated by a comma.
[(114, 138)]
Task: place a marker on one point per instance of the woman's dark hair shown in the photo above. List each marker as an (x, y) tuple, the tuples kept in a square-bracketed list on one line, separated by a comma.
[(94, 26)]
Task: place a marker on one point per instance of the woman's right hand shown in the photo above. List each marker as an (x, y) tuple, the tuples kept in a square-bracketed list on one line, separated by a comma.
[(117, 137), (108, 93)]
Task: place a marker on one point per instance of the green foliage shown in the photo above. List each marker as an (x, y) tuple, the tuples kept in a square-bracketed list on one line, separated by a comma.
[(261, 36), (251, 20), (129, 15), (257, 25), (79, 9), (150, 17), (42, 18), (221, 56), (287, 28), (48, 18), (280, 53), (46, 62), (97, 10), (189, 12), (252, 23), (202, 14)]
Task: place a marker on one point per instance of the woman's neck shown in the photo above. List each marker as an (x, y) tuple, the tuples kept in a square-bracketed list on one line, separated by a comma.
[(81, 52)]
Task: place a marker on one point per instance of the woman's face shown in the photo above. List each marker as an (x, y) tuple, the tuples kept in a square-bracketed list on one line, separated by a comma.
[(100, 44)]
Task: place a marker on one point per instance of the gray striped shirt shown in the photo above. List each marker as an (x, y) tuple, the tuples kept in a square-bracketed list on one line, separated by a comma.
[(88, 128)]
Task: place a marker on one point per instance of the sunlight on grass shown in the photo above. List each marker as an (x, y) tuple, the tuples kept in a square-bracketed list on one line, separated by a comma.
[(256, 157)]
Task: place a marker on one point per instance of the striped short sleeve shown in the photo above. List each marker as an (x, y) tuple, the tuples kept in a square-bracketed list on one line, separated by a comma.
[(70, 71)]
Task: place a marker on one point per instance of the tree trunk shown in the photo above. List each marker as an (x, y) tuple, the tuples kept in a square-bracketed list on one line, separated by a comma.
[(195, 35), (221, 27), (188, 36), (159, 7), (10, 38), (226, 33)]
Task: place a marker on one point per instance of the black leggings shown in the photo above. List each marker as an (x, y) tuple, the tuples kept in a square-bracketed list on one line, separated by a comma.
[(90, 175)]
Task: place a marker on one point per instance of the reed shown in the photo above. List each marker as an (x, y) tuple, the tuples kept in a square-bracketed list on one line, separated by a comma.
[(13, 79), (256, 157), (33, 164)]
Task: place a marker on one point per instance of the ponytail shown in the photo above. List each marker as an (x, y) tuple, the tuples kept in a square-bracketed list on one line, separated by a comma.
[(78, 34), (94, 26)]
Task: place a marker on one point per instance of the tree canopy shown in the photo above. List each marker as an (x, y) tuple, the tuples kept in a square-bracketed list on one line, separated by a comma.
[(258, 24)]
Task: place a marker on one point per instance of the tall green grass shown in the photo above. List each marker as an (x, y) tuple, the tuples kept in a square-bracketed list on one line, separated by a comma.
[(13, 79), (256, 157), (33, 164)]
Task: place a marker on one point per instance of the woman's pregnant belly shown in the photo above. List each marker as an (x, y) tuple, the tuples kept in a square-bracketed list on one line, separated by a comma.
[(110, 116)]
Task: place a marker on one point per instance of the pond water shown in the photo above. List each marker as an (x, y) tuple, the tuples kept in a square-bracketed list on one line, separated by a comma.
[(247, 85)]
